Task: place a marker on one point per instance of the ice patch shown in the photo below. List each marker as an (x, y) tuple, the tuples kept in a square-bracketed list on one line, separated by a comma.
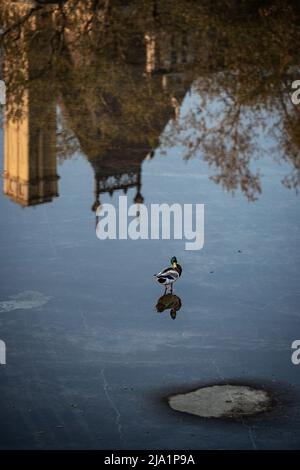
[(222, 401), (24, 301)]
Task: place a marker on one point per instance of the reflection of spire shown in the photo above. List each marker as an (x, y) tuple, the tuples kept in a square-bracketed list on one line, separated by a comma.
[(96, 203), (138, 197)]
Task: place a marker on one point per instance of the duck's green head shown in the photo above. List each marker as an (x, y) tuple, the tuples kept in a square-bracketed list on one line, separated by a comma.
[(174, 261)]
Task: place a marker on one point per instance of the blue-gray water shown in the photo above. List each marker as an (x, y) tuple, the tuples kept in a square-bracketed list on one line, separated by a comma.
[(91, 365), (189, 104)]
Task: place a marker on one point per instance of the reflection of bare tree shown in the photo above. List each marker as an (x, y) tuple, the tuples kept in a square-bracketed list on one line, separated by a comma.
[(223, 133), (252, 64), (118, 70), (290, 143)]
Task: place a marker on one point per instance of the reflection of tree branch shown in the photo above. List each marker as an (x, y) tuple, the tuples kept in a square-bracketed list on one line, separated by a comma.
[(20, 23), (227, 145)]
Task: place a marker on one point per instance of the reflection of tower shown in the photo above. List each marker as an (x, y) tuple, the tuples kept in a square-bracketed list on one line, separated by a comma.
[(30, 131), (30, 155)]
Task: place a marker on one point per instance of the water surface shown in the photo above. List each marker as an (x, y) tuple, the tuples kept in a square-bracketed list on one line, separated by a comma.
[(155, 111)]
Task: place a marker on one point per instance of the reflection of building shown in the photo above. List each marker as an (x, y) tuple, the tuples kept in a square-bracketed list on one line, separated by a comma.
[(165, 56), (117, 116), (115, 132), (29, 175)]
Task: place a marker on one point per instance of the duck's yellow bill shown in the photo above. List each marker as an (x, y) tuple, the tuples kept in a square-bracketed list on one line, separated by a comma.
[(174, 265)]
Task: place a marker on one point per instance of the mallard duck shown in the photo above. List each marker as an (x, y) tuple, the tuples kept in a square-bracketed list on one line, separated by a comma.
[(169, 275)]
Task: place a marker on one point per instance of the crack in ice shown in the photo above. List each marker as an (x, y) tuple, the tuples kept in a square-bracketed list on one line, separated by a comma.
[(111, 401)]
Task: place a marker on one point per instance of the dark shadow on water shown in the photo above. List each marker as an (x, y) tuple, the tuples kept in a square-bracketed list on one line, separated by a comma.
[(169, 302)]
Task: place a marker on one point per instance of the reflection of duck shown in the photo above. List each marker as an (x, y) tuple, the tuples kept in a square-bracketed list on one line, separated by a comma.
[(169, 275), (169, 302)]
